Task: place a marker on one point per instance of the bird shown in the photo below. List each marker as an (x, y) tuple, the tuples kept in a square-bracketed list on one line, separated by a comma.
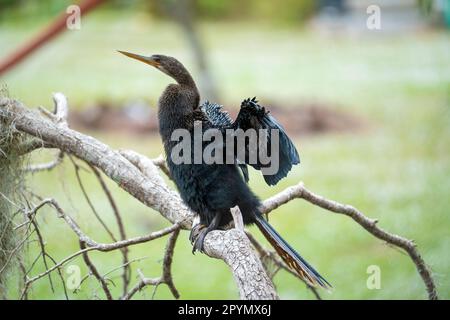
[(211, 190)]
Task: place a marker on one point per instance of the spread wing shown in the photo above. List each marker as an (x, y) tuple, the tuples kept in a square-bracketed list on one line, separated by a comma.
[(254, 116), (219, 118)]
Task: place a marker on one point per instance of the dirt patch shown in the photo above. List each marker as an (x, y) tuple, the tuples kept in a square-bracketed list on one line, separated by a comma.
[(140, 118), (317, 118)]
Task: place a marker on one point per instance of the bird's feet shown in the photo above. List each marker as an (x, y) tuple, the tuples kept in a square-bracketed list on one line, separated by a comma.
[(199, 232), (197, 237), (195, 232), (199, 240)]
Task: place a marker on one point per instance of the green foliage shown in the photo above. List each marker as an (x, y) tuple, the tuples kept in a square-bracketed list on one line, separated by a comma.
[(285, 11), (25, 10), (290, 11)]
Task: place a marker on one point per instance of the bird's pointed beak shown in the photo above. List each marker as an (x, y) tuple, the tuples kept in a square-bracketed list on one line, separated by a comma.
[(147, 60)]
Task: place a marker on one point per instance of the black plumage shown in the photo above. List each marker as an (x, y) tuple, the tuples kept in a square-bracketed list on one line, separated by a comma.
[(254, 116), (211, 190)]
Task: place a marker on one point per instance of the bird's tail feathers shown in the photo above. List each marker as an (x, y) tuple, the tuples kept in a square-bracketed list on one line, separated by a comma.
[(291, 257)]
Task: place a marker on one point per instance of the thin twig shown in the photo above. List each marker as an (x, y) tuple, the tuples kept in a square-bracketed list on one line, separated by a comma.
[(88, 200), (143, 282), (167, 263), (45, 166), (166, 276), (63, 282), (126, 270), (91, 244), (93, 269), (370, 225), (44, 253), (31, 145)]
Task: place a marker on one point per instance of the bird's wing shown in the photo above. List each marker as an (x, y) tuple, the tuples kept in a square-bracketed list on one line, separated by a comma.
[(216, 115), (254, 116), (219, 118)]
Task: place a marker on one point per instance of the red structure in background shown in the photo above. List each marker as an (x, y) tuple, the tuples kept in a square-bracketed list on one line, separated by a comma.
[(56, 27)]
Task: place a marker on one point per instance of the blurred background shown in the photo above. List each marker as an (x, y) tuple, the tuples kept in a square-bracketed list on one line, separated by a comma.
[(368, 108)]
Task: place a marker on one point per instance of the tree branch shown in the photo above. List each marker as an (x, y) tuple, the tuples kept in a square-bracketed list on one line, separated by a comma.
[(123, 236), (95, 272), (140, 177), (370, 225), (46, 166)]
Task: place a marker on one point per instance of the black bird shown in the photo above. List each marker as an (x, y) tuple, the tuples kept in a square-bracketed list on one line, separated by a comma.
[(211, 190)]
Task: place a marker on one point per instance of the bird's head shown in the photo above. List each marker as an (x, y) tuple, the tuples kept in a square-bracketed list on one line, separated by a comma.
[(169, 65)]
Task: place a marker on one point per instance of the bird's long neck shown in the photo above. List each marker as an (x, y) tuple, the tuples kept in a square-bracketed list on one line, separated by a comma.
[(184, 78), (187, 83), (177, 104)]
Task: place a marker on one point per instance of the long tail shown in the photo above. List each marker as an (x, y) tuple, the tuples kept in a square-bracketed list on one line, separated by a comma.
[(290, 256)]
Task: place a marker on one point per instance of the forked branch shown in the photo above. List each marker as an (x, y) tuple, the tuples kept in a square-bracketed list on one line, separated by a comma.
[(140, 177)]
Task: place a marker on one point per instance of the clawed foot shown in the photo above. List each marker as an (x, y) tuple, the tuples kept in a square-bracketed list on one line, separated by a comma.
[(200, 239), (199, 232), (196, 231)]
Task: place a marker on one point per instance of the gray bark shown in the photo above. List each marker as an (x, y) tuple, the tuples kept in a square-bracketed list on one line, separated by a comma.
[(140, 177)]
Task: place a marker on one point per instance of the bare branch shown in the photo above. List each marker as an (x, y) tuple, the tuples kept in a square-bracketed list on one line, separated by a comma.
[(234, 248), (63, 282), (93, 269), (46, 166), (31, 145), (109, 246), (123, 236), (162, 164), (91, 244), (231, 246), (43, 251), (141, 284), (167, 264), (299, 191), (61, 110), (88, 200), (166, 276), (140, 177), (237, 218)]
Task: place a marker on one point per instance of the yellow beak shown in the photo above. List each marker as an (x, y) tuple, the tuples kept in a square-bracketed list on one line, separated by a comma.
[(147, 60)]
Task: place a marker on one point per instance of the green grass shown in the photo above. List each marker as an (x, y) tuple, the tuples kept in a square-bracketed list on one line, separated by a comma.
[(396, 170)]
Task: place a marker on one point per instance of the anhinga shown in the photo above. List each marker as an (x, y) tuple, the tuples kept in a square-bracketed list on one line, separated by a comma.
[(211, 190)]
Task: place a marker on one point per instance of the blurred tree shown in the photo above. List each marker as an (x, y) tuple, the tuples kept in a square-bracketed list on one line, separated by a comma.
[(22, 9), (425, 6), (8, 3), (183, 12), (292, 11)]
